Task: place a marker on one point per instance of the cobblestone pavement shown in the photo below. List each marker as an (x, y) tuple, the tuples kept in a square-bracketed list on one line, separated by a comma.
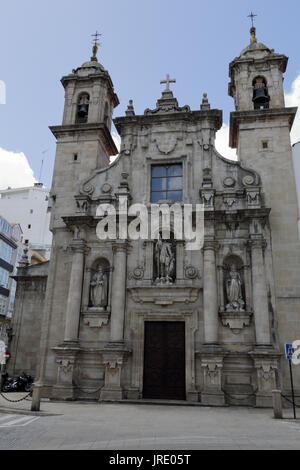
[(140, 426)]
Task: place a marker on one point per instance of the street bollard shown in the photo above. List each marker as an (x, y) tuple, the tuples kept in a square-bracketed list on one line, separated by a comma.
[(36, 398), (277, 404)]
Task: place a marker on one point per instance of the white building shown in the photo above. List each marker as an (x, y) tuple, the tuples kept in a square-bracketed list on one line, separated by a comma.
[(296, 160), (11, 249), (29, 207)]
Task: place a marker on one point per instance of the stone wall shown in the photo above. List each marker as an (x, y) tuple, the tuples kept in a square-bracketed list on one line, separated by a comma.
[(27, 319)]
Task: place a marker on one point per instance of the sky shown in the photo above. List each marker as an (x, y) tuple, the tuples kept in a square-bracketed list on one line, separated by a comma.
[(142, 40)]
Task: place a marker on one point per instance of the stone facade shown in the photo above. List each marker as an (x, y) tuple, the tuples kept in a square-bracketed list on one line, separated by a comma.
[(238, 297)]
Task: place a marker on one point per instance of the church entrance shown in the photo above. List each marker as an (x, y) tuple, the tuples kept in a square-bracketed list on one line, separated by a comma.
[(164, 360)]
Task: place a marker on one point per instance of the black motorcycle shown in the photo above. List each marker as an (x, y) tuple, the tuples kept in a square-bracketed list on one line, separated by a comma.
[(23, 383)]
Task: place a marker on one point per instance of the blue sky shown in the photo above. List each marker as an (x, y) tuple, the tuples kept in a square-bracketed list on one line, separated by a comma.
[(193, 41)]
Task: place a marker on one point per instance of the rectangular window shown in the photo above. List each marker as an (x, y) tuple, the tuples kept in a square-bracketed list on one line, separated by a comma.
[(166, 183)]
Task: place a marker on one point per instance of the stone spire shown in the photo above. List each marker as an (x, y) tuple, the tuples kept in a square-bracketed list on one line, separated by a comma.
[(24, 262), (205, 104), (130, 109)]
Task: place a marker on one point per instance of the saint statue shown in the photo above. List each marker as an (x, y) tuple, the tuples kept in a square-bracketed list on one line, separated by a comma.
[(165, 261), (99, 289), (234, 290)]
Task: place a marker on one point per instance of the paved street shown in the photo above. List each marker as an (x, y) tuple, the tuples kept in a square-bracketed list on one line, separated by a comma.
[(135, 426)]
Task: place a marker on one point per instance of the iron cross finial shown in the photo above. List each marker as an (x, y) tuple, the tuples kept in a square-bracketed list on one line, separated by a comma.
[(168, 81), (96, 44), (96, 37), (252, 16)]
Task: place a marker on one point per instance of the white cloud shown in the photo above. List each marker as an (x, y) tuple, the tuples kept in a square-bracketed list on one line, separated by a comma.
[(292, 98), (15, 170), (222, 143), (117, 141)]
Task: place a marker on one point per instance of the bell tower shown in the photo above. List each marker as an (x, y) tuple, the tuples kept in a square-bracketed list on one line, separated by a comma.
[(260, 131), (89, 94), (84, 141)]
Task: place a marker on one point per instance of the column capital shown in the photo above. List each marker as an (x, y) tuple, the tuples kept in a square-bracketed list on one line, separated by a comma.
[(120, 246), (211, 245), (258, 242), (79, 246)]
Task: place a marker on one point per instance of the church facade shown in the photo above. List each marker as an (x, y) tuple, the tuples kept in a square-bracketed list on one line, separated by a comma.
[(148, 318)]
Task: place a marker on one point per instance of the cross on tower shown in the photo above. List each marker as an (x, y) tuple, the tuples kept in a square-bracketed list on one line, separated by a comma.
[(96, 37), (96, 44), (168, 81), (252, 16)]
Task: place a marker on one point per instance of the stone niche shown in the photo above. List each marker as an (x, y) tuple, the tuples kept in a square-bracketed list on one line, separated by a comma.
[(234, 311), (96, 311)]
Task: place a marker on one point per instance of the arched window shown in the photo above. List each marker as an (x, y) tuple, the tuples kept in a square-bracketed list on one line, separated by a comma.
[(82, 108), (261, 97)]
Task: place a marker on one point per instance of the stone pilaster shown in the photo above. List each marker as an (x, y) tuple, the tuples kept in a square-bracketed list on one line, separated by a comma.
[(212, 366), (86, 289), (210, 292), (113, 361), (67, 352), (113, 358), (266, 364), (260, 294), (118, 292), (75, 292), (64, 388)]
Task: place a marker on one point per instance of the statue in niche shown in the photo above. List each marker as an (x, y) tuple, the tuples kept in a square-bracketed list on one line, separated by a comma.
[(234, 290), (165, 261), (99, 289)]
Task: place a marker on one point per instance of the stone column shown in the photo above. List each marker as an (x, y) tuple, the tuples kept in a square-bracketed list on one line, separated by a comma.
[(75, 292), (114, 357), (259, 292), (86, 289), (118, 292), (210, 293), (66, 353), (221, 282)]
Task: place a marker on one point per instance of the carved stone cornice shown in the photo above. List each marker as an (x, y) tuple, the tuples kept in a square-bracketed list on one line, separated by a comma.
[(92, 128), (120, 246), (214, 116), (254, 116), (236, 321), (160, 295), (79, 246), (76, 220)]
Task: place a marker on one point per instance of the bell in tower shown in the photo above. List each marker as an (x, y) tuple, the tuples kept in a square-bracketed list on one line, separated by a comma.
[(82, 109), (260, 93)]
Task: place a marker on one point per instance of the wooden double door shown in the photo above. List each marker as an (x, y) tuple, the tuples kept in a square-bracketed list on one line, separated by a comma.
[(164, 360)]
